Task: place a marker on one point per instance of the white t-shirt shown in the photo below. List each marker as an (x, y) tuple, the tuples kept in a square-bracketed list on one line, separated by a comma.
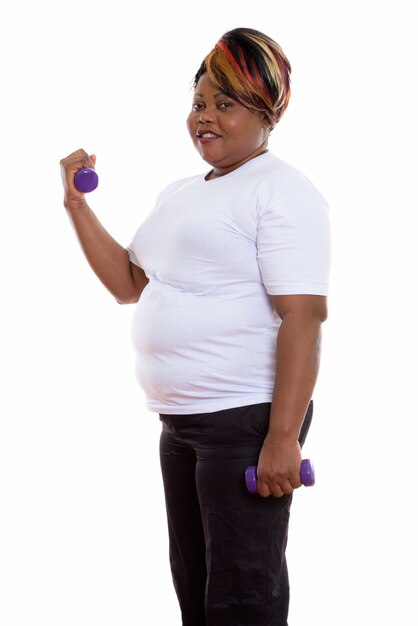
[(205, 329)]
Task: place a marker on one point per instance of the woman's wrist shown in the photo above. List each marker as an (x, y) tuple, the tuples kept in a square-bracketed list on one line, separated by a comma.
[(75, 204)]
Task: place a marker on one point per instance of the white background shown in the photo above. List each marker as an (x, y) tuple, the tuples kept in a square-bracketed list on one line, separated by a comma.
[(83, 536)]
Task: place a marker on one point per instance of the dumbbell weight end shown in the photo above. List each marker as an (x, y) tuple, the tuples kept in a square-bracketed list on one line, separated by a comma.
[(86, 180)]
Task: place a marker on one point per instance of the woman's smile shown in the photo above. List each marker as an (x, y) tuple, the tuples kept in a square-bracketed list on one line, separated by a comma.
[(207, 137)]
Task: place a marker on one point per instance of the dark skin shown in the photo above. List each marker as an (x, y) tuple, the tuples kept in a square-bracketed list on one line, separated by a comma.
[(236, 134), (241, 134)]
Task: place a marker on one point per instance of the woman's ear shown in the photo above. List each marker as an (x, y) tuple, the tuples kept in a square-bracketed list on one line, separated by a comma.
[(267, 123)]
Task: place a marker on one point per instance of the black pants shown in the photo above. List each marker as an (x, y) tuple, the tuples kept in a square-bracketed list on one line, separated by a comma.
[(227, 547)]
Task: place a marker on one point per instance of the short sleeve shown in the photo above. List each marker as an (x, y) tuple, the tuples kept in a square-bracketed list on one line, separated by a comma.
[(294, 245), (132, 256)]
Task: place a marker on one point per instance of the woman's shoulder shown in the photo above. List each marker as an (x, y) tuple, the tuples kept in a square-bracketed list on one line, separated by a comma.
[(174, 186), (281, 172), (282, 180)]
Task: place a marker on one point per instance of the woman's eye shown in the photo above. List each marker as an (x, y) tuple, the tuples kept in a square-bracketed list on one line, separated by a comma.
[(197, 106), (224, 105)]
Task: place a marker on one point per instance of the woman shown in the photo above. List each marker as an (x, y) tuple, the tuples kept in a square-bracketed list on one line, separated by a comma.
[(230, 270)]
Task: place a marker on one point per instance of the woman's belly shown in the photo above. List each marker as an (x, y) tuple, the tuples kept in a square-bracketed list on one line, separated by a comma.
[(190, 346)]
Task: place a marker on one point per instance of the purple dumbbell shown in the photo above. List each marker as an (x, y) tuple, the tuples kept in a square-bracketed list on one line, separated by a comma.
[(307, 475), (86, 180)]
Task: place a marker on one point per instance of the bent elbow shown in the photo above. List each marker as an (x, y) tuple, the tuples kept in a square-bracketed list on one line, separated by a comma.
[(132, 296), (128, 300)]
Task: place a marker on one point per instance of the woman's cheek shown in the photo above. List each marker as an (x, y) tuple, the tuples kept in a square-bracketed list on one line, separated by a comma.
[(191, 123)]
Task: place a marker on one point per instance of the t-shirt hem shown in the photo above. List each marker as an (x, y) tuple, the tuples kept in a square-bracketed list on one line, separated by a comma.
[(132, 257), (209, 406), (302, 289)]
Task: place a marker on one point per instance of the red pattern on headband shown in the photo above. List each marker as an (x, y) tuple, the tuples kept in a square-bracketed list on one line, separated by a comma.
[(261, 84), (245, 72), (231, 59)]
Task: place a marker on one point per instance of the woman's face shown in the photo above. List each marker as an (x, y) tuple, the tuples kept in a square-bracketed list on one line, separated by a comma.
[(225, 133)]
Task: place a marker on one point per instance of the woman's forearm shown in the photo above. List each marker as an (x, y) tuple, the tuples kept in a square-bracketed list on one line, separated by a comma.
[(297, 367)]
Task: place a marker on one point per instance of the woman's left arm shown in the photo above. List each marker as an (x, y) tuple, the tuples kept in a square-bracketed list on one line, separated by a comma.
[(297, 366)]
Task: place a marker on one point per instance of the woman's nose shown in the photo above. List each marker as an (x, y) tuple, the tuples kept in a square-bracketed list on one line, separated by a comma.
[(205, 117)]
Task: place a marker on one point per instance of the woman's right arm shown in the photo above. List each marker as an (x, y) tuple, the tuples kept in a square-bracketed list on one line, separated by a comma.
[(108, 259)]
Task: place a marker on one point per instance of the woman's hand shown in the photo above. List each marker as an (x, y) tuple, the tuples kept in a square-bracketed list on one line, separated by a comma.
[(69, 167), (278, 470)]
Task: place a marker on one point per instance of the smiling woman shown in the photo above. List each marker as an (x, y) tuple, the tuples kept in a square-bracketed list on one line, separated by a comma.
[(226, 133), (230, 272), (241, 90)]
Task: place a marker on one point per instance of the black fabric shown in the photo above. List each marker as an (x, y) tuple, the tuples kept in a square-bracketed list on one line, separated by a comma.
[(227, 547)]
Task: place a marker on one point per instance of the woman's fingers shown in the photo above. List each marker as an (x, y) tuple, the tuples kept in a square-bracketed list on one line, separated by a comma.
[(70, 165), (276, 489)]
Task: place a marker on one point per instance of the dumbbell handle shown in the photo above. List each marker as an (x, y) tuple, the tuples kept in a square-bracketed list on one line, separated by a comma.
[(86, 180), (307, 475)]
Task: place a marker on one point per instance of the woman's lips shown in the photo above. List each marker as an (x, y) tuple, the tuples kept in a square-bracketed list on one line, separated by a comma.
[(207, 137)]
